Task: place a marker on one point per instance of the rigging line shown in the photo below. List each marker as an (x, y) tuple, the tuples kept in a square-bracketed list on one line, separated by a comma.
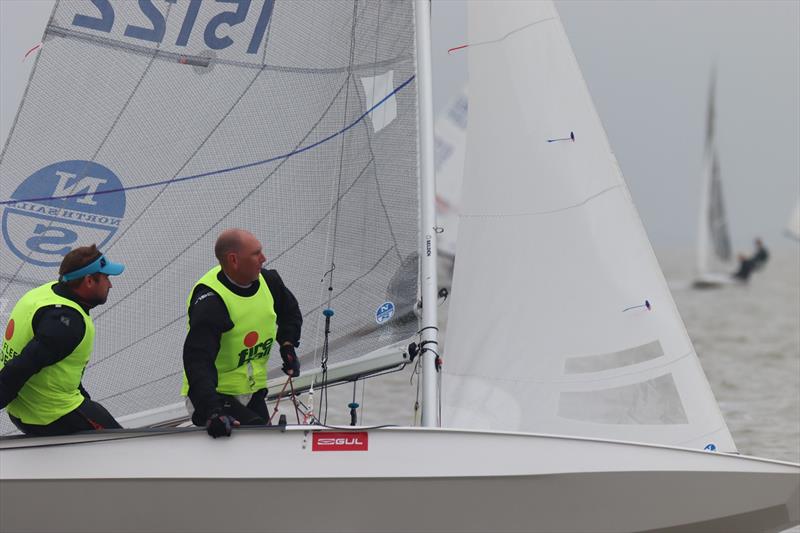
[(101, 144), (317, 328), (22, 281), (326, 215), (141, 213), (232, 209), (120, 393), (335, 221), (359, 278), (134, 343), (223, 170), (377, 182), (550, 212), (341, 151)]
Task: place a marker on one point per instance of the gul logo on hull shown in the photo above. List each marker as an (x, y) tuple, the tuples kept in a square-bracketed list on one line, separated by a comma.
[(336, 441), (61, 206)]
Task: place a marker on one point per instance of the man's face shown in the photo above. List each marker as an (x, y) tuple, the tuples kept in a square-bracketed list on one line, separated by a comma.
[(97, 286), (249, 259)]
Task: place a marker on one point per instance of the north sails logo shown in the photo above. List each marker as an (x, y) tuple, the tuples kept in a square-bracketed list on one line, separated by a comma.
[(61, 206)]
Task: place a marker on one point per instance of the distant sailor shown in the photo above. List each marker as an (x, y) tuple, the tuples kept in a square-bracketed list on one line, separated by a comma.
[(237, 311), (761, 255), (47, 344), (746, 267)]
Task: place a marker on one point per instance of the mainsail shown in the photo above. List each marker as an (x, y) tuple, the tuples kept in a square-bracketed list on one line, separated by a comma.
[(560, 319), (148, 127), (713, 242)]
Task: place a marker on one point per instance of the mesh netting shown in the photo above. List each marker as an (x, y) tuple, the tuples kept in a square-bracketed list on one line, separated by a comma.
[(159, 146)]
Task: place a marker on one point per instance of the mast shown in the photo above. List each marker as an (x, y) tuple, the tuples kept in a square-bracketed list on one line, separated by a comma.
[(429, 335), (709, 152)]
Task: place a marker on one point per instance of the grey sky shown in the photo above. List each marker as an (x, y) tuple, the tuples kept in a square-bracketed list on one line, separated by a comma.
[(647, 64)]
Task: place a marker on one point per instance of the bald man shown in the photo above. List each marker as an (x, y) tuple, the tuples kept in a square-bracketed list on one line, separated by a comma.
[(237, 311)]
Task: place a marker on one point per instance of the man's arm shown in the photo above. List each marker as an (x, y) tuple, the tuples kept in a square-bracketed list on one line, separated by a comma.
[(57, 331), (208, 318), (289, 317)]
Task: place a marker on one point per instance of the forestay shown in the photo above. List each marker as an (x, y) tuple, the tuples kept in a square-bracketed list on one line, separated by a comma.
[(713, 242), (549, 327), (148, 127)]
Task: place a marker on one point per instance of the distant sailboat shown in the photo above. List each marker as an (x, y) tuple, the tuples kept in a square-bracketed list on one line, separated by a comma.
[(713, 241)]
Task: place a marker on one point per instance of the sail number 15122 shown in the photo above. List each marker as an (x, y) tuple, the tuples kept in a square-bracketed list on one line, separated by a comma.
[(154, 32)]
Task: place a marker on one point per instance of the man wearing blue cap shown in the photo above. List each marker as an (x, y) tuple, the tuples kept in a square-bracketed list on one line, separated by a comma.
[(47, 344)]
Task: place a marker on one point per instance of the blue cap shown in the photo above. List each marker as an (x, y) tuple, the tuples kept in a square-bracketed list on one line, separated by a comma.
[(101, 265)]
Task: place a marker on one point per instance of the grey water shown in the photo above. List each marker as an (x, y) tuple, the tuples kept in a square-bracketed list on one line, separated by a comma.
[(746, 336), (748, 340)]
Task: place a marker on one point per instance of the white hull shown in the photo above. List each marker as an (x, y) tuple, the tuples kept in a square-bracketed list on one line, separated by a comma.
[(713, 281), (410, 479)]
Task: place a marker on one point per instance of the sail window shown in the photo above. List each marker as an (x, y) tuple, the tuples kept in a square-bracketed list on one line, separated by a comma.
[(385, 109), (654, 401), (607, 361)]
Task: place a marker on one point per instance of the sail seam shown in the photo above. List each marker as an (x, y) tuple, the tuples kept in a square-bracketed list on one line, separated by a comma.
[(177, 57), (512, 32), (549, 212), (616, 375)]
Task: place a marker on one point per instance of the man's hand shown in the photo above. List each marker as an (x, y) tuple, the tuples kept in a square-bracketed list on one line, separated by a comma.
[(220, 425), (291, 364)]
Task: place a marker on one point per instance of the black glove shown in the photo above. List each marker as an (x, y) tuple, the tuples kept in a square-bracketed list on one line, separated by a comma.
[(291, 364), (220, 425)]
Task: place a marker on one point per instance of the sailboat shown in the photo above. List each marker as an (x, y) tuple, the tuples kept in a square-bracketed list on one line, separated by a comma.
[(571, 398), (792, 229), (714, 253)]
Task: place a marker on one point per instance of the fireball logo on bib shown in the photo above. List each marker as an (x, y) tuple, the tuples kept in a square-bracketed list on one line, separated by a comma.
[(9, 330), (253, 349), (61, 206)]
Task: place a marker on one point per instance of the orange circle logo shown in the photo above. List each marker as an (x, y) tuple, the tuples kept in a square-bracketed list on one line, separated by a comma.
[(251, 339), (10, 329)]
